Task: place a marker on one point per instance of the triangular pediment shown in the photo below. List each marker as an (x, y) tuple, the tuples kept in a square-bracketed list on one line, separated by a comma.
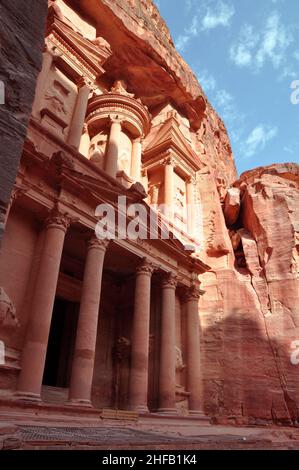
[(95, 53), (169, 136)]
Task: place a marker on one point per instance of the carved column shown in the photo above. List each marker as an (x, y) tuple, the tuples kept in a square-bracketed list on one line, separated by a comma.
[(136, 159), (84, 354), (190, 206), (140, 339), (76, 128), (169, 188), (35, 348), (167, 379), (112, 152), (191, 299), (84, 142), (48, 57)]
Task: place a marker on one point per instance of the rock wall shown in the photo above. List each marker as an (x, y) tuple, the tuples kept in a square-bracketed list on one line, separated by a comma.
[(22, 37), (250, 313)]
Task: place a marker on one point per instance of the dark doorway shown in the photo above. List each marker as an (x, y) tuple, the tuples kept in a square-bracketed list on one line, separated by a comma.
[(61, 344)]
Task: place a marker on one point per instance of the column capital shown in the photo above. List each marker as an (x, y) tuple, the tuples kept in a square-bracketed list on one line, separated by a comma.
[(58, 220), (171, 161), (169, 280), (192, 293), (191, 180), (97, 243), (84, 81), (85, 128), (17, 192), (114, 119), (138, 140), (145, 267)]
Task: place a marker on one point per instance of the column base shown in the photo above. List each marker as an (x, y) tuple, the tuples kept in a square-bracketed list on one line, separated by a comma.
[(196, 413), (79, 402), (167, 411), (28, 396), (139, 409)]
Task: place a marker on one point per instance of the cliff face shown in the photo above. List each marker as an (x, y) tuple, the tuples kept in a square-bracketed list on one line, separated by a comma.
[(21, 45)]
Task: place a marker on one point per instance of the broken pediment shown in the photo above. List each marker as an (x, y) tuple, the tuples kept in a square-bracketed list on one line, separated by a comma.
[(170, 137)]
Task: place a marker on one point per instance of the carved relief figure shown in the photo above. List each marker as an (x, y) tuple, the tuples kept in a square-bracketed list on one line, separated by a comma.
[(97, 149), (179, 364), (8, 315), (56, 97)]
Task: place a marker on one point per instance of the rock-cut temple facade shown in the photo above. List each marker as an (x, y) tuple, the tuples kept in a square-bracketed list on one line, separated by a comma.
[(202, 323)]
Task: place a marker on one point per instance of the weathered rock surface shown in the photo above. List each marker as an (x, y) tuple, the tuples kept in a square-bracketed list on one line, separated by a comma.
[(22, 37), (250, 313), (232, 205)]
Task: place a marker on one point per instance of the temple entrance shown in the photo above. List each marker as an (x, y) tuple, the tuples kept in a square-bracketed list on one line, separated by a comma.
[(61, 344)]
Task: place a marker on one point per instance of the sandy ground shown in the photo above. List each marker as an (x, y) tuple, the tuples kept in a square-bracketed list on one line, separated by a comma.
[(34, 431)]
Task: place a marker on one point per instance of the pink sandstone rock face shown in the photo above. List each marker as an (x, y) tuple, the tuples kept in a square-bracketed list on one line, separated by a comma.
[(21, 45), (248, 339)]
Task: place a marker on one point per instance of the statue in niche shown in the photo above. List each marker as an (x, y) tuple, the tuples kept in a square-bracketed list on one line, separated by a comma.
[(120, 88), (124, 158), (122, 349), (154, 195), (8, 317), (97, 149), (179, 363), (56, 98)]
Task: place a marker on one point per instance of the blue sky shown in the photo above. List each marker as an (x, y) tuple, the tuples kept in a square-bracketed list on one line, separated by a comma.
[(245, 54)]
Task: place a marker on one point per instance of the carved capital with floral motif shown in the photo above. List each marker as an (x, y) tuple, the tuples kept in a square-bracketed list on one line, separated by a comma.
[(192, 293), (145, 267), (169, 281), (97, 243), (58, 220)]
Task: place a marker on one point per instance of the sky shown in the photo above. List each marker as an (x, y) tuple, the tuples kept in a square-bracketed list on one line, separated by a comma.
[(245, 54)]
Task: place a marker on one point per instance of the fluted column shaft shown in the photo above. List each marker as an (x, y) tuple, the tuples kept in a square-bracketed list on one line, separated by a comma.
[(84, 354), (169, 188), (136, 160), (167, 378), (76, 128), (140, 339), (112, 152), (193, 348), (35, 349)]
